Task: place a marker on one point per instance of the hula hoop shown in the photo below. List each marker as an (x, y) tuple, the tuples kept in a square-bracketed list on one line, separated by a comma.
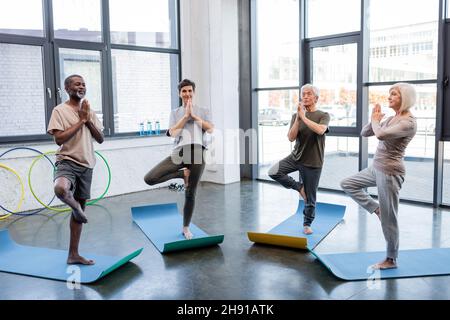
[(67, 209), (54, 196), (22, 196)]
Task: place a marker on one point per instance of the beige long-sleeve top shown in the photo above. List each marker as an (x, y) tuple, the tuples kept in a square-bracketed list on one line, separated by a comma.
[(394, 135)]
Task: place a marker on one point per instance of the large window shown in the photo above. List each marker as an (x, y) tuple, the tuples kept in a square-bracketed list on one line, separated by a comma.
[(130, 73), (278, 43), (341, 161), (335, 73), (446, 178), (403, 46), (276, 108), (143, 88), (77, 20), (143, 23), (15, 20), (88, 64), (325, 17), (353, 51)]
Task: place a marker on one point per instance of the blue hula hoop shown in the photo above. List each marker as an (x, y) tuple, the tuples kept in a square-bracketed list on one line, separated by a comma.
[(53, 165)]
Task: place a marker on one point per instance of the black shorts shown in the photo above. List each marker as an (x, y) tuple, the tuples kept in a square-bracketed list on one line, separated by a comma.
[(79, 176)]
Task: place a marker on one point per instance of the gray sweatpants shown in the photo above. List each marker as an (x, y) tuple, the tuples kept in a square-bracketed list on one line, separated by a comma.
[(188, 156), (309, 177), (388, 196)]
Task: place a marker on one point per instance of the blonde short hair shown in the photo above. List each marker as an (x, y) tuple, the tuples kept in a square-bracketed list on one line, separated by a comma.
[(408, 94)]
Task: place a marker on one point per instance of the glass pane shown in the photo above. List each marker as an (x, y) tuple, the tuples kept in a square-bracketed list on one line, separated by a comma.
[(274, 116), (446, 177), (88, 65), (419, 155), (278, 43), (22, 100), (334, 73), (403, 40), (340, 16), (144, 23), (341, 161), (15, 20), (77, 20), (145, 88)]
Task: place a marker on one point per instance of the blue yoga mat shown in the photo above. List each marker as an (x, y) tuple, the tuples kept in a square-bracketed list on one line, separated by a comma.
[(411, 263), (162, 224), (51, 263), (327, 218)]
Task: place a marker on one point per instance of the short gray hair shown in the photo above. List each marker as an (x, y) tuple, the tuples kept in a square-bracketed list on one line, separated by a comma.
[(310, 86)]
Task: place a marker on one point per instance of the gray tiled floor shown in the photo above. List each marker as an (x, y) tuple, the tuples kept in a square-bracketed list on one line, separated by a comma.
[(236, 269)]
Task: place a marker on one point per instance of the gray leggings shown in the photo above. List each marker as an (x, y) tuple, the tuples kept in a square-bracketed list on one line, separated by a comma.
[(189, 156), (309, 177), (388, 195)]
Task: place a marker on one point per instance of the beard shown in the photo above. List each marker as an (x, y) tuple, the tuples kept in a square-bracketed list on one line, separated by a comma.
[(76, 95)]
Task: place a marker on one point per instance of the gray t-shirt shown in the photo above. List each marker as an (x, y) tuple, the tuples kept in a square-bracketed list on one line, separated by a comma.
[(309, 146), (394, 135), (192, 132)]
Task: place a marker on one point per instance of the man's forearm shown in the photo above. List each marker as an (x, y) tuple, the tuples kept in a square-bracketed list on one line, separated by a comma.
[(62, 137), (175, 130), (97, 134), (316, 127)]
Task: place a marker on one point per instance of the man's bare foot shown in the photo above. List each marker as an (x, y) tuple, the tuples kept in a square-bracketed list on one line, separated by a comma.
[(79, 216), (77, 259), (186, 173), (307, 230), (302, 193), (388, 263), (378, 213), (187, 233)]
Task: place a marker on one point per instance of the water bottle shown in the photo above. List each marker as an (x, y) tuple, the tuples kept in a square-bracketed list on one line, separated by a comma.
[(149, 128), (141, 129), (157, 128)]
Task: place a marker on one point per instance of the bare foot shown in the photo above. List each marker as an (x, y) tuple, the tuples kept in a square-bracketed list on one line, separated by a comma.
[(377, 212), (187, 233), (79, 216), (186, 173), (77, 259), (388, 263), (307, 230), (302, 193)]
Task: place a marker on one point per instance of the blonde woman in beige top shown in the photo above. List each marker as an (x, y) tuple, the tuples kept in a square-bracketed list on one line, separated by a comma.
[(388, 171)]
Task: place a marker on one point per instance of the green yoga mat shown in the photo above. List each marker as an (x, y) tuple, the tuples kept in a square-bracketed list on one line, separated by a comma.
[(162, 224)]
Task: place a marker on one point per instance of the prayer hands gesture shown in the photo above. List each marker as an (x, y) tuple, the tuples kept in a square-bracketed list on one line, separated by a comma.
[(84, 111), (376, 113)]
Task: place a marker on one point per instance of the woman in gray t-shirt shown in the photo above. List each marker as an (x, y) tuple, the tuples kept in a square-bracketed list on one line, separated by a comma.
[(188, 124), (388, 171)]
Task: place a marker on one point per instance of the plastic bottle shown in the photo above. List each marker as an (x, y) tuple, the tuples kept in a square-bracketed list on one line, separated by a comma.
[(149, 128), (157, 127), (141, 129)]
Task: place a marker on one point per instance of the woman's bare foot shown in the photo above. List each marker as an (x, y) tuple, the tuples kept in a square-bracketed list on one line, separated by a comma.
[(186, 173), (187, 233), (388, 263), (77, 259), (302, 192), (378, 213), (307, 230)]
